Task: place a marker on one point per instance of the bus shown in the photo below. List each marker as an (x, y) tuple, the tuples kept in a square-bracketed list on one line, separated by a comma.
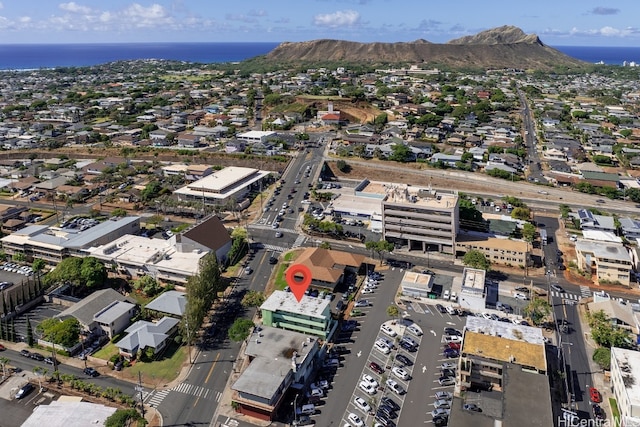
[(543, 236)]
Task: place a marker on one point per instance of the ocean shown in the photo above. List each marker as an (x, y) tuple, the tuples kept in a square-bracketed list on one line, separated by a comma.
[(33, 56)]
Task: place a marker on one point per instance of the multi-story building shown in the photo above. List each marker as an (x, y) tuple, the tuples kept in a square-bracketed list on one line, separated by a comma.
[(421, 219), (607, 261), (309, 316), (506, 366), (625, 382), (278, 364), (498, 251)]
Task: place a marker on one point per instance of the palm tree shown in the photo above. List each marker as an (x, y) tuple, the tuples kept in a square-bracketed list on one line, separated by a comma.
[(3, 363)]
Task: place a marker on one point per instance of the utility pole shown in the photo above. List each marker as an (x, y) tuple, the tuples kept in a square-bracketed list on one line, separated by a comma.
[(140, 389)]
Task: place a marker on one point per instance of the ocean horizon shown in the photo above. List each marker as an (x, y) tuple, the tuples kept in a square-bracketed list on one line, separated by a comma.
[(35, 56)]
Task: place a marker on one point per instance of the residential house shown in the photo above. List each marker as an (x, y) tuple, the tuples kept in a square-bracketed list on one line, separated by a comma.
[(449, 160), (171, 303), (104, 312), (630, 228), (143, 335), (591, 221), (328, 267)]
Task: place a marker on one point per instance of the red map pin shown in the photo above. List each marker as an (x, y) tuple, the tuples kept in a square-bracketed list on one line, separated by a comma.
[(298, 287)]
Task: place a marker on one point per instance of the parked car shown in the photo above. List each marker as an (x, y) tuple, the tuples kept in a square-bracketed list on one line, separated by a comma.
[(450, 353), (91, 372), (25, 353), (388, 330), (387, 401), (403, 359), (376, 368), (361, 404), (444, 395), (24, 391), (446, 381), (367, 388), (441, 308), (443, 403), (414, 329), (452, 331), (595, 395), (362, 303), (471, 407), (37, 356), (400, 373), (382, 347), (397, 388)]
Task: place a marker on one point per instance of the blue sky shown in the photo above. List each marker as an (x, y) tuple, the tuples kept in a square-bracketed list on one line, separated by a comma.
[(557, 22)]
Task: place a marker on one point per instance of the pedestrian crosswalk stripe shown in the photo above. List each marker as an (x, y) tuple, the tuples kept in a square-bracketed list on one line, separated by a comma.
[(299, 241), (585, 291), (155, 398), (274, 248), (194, 390)]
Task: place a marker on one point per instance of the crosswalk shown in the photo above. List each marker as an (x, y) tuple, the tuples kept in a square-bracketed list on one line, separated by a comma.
[(274, 248), (565, 295), (156, 397), (299, 241), (585, 291), (268, 227)]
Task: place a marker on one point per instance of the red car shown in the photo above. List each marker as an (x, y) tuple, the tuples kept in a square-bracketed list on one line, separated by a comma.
[(1, 347), (595, 395), (376, 368), (454, 345)]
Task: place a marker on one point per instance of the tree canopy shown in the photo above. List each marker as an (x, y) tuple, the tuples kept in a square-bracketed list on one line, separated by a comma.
[(88, 273), (253, 299), (476, 259), (605, 333), (64, 333), (240, 329)]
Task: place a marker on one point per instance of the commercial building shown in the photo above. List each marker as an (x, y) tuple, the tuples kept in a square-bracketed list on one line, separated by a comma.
[(625, 382), (328, 267), (254, 136), (420, 219), (416, 285), (496, 250), (53, 244), (277, 363), (225, 186), (473, 289), (608, 262), (309, 316), (506, 365)]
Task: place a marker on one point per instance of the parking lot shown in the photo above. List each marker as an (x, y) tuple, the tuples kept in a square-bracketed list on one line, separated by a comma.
[(46, 310)]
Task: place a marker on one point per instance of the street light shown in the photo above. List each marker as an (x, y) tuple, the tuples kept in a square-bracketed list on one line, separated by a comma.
[(295, 408)]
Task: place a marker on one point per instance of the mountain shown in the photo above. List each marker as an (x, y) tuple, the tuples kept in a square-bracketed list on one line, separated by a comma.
[(502, 47)]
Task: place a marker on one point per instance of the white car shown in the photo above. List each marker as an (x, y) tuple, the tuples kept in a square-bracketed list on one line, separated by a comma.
[(454, 297), (486, 315), (367, 388), (366, 378), (400, 373), (520, 296), (444, 404), (446, 295), (452, 338), (382, 347), (439, 412), (355, 420), (451, 310), (388, 330), (444, 395), (361, 404), (367, 291), (397, 388), (415, 329)]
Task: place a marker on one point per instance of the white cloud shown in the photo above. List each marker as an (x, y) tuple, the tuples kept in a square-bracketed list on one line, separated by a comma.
[(1, 5), (341, 18), (74, 7)]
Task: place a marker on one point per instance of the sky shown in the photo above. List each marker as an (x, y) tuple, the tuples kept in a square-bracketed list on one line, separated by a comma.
[(556, 22)]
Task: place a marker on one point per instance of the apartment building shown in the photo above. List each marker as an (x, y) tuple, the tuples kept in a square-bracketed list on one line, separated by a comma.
[(625, 382), (607, 261), (496, 250)]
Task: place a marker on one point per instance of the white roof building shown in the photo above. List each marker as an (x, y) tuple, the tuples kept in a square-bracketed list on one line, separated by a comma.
[(625, 381)]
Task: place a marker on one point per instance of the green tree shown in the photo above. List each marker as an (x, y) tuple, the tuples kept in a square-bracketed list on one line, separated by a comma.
[(38, 265), (476, 259), (240, 329), (400, 153), (253, 299), (29, 333), (605, 333), (528, 232), (119, 212), (147, 285), (325, 245), (64, 333), (602, 356), (122, 417), (537, 310), (151, 191), (523, 214), (393, 311), (342, 166), (83, 273)]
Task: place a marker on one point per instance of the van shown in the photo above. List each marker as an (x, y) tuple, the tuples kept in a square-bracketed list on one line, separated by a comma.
[(446, 295), (308, 409)]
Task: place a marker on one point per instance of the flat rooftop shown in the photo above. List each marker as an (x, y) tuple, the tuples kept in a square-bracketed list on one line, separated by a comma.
[(629, 359), (417, 280), (605, 250), (500, 341), (287, 302), (223, 183), (493, 242), (356, 205), (273, 350), (473, 278), (420, 196)]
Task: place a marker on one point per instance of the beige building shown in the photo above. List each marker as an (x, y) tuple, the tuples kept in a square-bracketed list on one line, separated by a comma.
[(419, 218), (498, 251), (625, 382), (608, 262)]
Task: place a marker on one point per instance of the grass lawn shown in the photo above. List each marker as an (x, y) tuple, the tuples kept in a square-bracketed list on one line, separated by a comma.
[(615, 413), (106, 352), (165, 369), (280, 280), (291, 255)]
